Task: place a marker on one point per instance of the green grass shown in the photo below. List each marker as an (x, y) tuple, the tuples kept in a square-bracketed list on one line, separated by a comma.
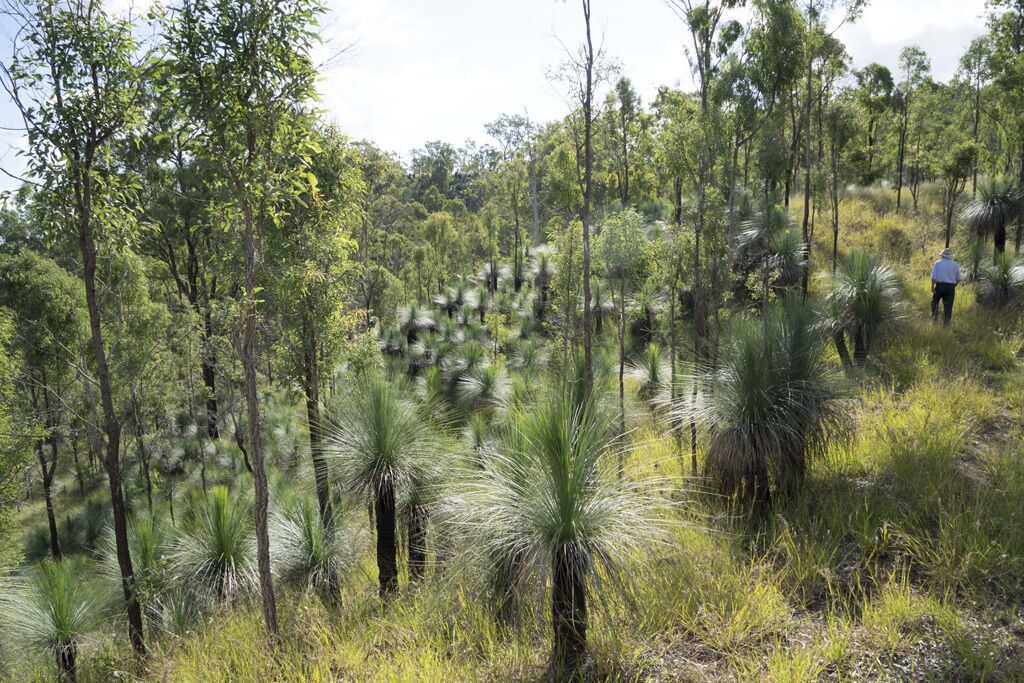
[(901, 558)]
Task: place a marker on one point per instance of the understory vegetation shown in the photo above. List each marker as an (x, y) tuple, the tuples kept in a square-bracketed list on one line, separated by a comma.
[(645, 393)]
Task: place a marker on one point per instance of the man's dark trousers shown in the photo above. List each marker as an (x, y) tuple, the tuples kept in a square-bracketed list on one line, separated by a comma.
[(944, 291)]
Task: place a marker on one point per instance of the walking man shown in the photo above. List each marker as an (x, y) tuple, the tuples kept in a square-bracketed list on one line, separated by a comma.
[(945, 276)]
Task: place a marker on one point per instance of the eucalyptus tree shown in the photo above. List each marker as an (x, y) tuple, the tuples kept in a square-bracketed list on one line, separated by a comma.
[(244, 75), (819, 46), (76, 76), (874, 94), (312, 251), (1006, 33), (47, 304), (976, 70), (712, 37), (582, 74), (621, 251), (177, 190), (626, 128), (13, 450), (840, 124), (512, 178), (956, 166), (914, 67)]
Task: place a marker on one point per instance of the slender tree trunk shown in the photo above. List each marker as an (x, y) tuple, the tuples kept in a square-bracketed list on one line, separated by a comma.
[(46, 472), (112, 427), (569, 611), (249, 361), (672, 344), (977, 123), (805, 276), (901, 151), (622, 367), (143, 456), (210, 376), (78, 467), (384, 516), (1020, 203), (588, 166)]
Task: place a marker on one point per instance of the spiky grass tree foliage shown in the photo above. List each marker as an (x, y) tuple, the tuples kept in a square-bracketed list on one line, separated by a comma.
[(48, 612), (545, 506), (528, 355), (992, 208), (215, 551), (649, 369), (149, 544), (1002, 279), (788, 257), (413, 320), (467, 358), (383, 449), (645, 304), (863, 303), (484, 389), (542, 271), (602, 303), (306, 554), (771, 404), (975, 258)]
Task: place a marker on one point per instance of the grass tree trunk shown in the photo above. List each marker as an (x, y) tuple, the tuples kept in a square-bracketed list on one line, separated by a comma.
[(111, 426), (569, 611), (417, 541), (67, 661), (839, 339), (320, 474), (253, 408), (384, 517)]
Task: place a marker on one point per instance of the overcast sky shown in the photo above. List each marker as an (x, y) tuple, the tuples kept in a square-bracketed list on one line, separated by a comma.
[(418, 71), (415, 70)]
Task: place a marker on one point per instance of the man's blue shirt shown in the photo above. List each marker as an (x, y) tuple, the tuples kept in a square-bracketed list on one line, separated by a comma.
[(946, 270)]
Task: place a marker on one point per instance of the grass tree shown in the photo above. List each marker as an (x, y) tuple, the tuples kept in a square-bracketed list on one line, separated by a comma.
[(215, 550), (414, 320), (382, 449), (50, 610), (1002, 279), (545, 506), (772, 401), (649, 369), (993, 207), (307, 553), (863, 303)]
